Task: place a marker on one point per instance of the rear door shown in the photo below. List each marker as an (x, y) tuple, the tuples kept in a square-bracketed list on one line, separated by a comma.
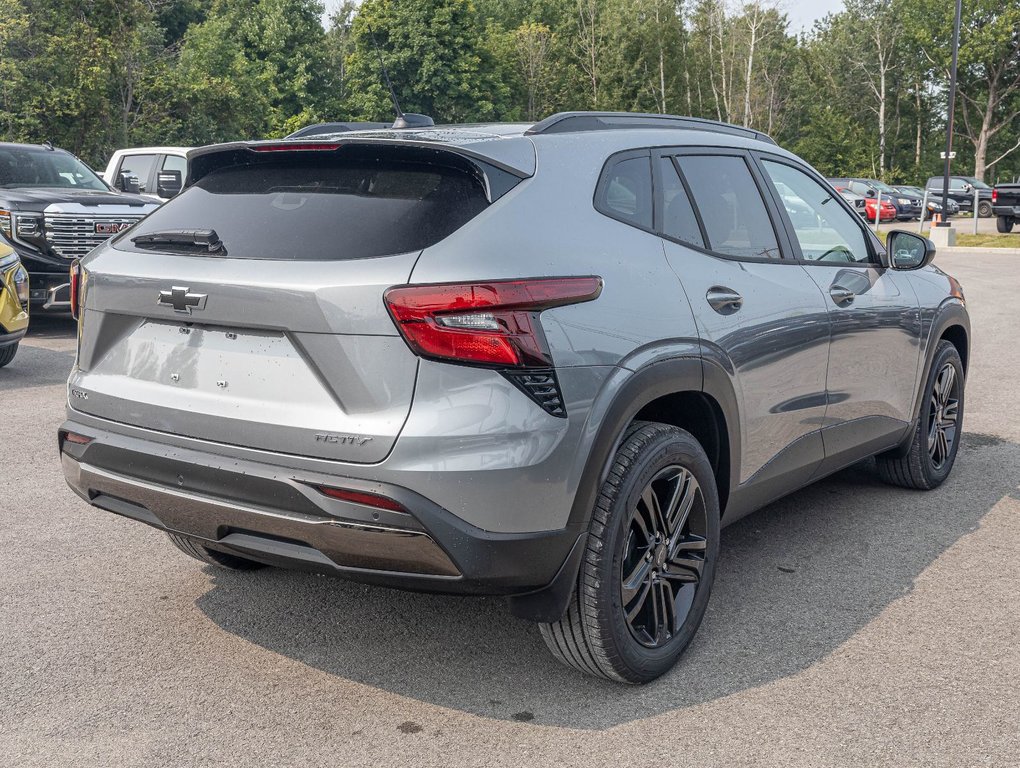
[(269, 330), (761, 317), (875, 318)]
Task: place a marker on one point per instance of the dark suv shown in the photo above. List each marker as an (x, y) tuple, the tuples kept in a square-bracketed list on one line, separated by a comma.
[(544, 361), (54, 209)]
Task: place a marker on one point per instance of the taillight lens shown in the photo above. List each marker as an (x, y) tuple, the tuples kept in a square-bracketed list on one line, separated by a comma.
[(76, 275), (995, 196), (493, 323)]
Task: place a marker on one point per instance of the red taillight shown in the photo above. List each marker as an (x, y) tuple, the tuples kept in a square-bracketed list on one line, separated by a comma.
[(995, 196), (295, 147), (74, 437), (360, 497), (493, 323), (75, 288)]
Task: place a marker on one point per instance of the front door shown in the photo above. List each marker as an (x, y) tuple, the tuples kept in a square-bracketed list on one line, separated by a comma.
[(875, 318)]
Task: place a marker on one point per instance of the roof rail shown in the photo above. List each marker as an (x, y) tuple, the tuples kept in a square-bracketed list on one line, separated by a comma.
[(570, 122)]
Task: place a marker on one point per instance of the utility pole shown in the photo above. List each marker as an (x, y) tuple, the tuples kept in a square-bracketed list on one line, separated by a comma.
[(949, 117)]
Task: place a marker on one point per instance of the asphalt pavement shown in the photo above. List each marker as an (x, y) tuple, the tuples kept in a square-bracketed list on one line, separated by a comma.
[(851, 624)]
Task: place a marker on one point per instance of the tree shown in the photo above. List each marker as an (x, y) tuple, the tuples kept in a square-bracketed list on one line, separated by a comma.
[(532, 43), (435, 58), (989, 71)]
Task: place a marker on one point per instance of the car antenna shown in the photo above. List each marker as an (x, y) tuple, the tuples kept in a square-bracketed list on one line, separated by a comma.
[(404, 119)]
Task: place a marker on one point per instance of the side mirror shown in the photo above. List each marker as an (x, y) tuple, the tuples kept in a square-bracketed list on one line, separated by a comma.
[(168, 184), (870, 193), (127, 182), (909, 251)]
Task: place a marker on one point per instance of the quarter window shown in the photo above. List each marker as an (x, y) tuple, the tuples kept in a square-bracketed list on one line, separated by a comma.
[(735, 217), (825, 230), (625, 192), (678, 218)]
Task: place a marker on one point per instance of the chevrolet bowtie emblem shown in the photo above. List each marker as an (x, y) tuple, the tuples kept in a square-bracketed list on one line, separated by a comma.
[(182, 300)]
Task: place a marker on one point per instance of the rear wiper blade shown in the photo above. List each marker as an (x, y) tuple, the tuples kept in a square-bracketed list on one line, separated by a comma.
[(206, 238)]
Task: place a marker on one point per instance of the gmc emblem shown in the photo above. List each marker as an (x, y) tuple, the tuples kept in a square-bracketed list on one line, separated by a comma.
[(111, 227)]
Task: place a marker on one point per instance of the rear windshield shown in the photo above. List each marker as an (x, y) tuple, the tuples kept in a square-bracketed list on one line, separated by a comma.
[(329, 209)]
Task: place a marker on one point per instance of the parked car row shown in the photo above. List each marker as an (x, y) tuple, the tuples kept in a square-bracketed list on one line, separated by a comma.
[(902, 203)]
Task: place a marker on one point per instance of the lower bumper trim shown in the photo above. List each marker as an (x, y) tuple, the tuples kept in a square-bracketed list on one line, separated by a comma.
[(274, 515)]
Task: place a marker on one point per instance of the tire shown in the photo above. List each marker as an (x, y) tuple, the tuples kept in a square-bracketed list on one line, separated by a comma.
[(595, 635), (984, 209), (1004, 224), (193, 548), (928, 461), (7, 354)]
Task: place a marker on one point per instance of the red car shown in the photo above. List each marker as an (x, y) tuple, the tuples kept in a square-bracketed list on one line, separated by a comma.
[(888, 213)]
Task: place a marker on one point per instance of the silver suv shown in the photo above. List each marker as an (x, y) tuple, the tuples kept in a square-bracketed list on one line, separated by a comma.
[(543, 361)]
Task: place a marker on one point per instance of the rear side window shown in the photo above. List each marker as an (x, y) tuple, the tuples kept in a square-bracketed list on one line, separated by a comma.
[(735, 217), (625, 191), (328, 209)]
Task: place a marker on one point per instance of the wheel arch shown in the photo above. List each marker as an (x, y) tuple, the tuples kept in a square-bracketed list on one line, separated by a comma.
[(951, 323), (686, 391)]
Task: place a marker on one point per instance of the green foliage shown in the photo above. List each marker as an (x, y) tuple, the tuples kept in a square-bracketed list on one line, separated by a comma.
[(862, 92), (436, 61)]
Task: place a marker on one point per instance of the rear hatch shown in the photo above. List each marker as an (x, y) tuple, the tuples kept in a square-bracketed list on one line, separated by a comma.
[(249, 310)]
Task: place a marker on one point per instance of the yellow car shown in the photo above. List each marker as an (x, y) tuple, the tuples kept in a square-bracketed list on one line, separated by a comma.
[(13, 304)]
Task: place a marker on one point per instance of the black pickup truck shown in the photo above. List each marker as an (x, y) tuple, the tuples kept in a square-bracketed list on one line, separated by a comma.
[(1006, 206), (54, 209)]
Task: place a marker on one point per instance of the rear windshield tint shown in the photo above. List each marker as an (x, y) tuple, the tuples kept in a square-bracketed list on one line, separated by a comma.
[(326, 209)]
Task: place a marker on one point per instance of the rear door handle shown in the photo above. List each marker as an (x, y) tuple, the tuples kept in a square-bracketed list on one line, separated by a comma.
[(724, 300), (842, 296)]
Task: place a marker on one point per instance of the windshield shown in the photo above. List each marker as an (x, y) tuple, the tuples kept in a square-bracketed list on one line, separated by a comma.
[(38, 167), (882, 186)]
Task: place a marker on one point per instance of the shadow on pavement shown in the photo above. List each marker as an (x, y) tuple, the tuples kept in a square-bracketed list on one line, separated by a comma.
[(796, 581), (51, 327), (36, 366)]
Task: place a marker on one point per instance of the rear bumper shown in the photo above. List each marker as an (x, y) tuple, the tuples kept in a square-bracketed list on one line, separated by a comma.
[(275, 515), (1007, 210)]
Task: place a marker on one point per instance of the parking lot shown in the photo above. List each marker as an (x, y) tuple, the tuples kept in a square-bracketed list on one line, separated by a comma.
[(852, 624)]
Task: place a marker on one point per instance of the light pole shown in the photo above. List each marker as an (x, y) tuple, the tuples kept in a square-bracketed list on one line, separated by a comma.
[(949, 116)]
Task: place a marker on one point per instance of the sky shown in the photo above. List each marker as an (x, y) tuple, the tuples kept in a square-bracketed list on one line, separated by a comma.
[(802, 13)]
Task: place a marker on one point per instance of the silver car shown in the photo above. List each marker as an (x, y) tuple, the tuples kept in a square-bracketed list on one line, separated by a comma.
[(542, 361)]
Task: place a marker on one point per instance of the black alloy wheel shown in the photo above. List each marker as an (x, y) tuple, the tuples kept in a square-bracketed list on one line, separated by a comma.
[(649, 562), (664, 556), (943, 409), (926, 461)]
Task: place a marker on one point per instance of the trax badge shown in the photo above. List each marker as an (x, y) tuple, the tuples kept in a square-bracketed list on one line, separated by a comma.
[(181, 299), (342, 439)]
